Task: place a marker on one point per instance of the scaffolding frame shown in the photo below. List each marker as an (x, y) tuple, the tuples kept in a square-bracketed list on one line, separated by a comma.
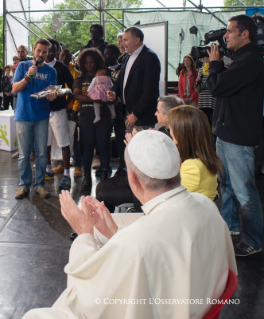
[(100, 14)]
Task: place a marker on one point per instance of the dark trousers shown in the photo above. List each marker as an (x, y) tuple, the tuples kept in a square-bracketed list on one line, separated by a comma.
[(208, 111), (259, 152), (99, 137), (116, 191), (76, 149), (7, 100), (120, 131)]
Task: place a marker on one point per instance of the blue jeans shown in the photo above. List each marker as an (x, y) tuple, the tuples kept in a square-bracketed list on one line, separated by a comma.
[(31, 134), (99, 137), (238, 191)]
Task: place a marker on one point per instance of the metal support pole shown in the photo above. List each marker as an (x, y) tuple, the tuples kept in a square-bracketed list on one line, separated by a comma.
[(23, 8), (162, 4), (134, 9), (87, 8), (100, 11), (201, 5), (29, 34), (41, 30), (103, 16), (114, 18), (69, 21), (10, 31), (25, 26), (242, 2), (4, 33), (209, 12)]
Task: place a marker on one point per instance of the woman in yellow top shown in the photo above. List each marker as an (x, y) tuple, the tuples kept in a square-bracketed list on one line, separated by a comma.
[(190, 130)]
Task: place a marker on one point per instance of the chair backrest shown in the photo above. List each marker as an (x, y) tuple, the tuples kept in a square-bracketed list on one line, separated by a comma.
[(229, 290)]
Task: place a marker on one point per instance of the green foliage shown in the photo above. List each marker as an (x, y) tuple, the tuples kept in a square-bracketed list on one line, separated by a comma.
[(76, 34), (246, 2), (1, 42)]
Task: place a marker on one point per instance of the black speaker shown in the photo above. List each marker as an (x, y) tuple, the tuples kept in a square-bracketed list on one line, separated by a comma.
[(193, 30)]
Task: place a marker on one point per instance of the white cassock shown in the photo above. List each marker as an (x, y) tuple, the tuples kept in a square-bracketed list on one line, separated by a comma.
[(181, 249)]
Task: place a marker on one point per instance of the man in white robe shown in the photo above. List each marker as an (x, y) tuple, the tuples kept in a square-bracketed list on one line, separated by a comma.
[(164, 265)]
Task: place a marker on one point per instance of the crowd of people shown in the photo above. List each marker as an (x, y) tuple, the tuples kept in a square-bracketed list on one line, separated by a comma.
[(177, 155)]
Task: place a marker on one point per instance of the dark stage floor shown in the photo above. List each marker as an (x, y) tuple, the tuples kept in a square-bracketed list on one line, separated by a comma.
[(34, 246)]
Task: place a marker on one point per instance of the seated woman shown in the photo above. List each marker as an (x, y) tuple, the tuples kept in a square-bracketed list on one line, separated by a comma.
[(191, 132), (194, 139)]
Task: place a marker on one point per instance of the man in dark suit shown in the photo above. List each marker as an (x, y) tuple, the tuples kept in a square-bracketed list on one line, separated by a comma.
[(138, 81)]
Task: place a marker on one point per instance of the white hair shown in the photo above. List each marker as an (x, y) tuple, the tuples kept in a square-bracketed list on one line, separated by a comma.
[(120, 35)]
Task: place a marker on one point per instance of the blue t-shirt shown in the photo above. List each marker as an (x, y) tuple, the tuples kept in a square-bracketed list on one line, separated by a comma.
[(29, 108)]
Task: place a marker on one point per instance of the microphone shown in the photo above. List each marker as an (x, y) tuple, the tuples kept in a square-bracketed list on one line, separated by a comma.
[(38, 61)]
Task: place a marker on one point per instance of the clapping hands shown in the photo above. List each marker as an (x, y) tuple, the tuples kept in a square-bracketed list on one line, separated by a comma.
[(92, 214)]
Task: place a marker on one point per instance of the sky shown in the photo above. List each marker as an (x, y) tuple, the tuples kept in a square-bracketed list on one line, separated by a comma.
[(39, 5)]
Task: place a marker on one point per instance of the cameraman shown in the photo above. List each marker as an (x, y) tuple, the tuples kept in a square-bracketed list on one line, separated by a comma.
[(237, 123)]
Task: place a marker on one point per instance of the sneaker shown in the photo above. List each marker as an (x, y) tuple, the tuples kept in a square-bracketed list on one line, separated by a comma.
[(15, 155), (32, 156), (77, 172), (57, 170), (243, 250), (65, 182), (96, 163), (98, 172), (48, 176), (43, 193), (234, 233), (21, 193)]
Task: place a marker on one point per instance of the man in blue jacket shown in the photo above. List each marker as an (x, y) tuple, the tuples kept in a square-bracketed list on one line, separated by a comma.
[(237, 123)]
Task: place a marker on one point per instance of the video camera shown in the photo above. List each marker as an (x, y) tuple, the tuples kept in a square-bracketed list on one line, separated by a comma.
[(201, 51), (259, 37)]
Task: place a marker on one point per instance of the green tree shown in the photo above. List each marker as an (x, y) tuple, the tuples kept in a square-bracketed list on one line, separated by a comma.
[(76, 34), (1, 42), (246, 2)]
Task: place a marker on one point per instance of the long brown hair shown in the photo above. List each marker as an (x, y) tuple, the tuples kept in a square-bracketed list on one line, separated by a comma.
[(192, 131), (193, 66)]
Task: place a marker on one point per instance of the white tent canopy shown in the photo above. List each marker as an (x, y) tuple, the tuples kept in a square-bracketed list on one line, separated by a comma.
[(177, 22)]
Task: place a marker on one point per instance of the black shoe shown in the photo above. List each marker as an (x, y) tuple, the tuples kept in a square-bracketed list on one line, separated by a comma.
[(73, 236), (243, 250), (104, 174), (87, 181), (98, 172), (120, 170)]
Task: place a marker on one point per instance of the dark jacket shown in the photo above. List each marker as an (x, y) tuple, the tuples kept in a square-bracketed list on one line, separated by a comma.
[(239, 90), (63, 76), (101, 47), (6, 84), (142, 87)]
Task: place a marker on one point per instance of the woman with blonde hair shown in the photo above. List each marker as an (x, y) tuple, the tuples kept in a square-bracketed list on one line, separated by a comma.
[(190, 130)]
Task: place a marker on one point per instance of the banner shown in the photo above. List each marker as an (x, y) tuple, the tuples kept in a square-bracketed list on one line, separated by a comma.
[(16, 34)]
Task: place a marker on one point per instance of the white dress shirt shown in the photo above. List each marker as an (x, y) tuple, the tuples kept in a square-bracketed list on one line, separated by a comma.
[(52, 63), (129, 65)]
